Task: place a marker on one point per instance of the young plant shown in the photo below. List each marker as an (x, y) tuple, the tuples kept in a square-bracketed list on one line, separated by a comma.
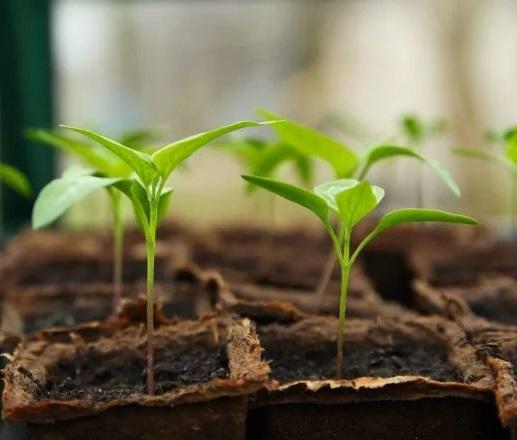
[(146, 190), (104, 164), (506, 159), (416, 132), (350, 200), (346, 163), (15, 180)]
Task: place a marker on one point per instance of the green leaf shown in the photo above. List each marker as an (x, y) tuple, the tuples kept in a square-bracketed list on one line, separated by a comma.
[(139, 162), (15, 180), (511, 148), (383, 152), (304, 168), (294, 194), (313, 143), (167, 158), (60, 194), (357, 202), (413, 128), (96, 158), (329, 190), (164, 202), (137, 195), (486, 156), (413, 215)]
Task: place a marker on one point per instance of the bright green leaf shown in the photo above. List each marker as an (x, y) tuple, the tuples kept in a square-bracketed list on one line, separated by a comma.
[(329, 190), (382, 152), (511, 148), (163, 204), (293, 193), (357, 202), (15, 179), (139, 162), (311, 142), (412, 215), (167, 158), (60, 194)]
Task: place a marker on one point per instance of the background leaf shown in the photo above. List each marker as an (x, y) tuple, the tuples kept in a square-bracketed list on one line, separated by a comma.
[(15, 180), (312, 143), (488, 156), (99, 159), (357, 202), (167, 158), (294, 194), (60, 194), (383, 152)]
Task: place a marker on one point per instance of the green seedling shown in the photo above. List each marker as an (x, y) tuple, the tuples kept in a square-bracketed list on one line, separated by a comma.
[(146, 190), (416, 132), (104, 164), (346, 163), (15, 180), (349, 201), (506, 159)]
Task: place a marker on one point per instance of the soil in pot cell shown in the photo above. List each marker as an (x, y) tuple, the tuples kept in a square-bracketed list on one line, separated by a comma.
[(28, 309), (97, 376), (204, 371), (417, 378)]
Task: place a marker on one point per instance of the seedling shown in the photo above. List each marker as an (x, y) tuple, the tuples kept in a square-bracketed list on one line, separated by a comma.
[(15, 180), (506, 159), (416, 132), (104, 164), (349, 201), (146, 190), (346, 163)]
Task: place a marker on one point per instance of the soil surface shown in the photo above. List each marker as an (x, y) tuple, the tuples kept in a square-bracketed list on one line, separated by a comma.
[(96, 376), (500, 310), (291, 361)]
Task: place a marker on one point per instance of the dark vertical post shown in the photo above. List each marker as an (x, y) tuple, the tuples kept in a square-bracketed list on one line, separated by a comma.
[(25, 99)]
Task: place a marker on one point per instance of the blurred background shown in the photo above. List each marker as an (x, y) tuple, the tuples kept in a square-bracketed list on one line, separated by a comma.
[(350, 67)]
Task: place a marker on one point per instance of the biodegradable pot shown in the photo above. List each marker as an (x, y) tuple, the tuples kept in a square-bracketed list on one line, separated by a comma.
[(27, 309), (94, 390), (388, 261), (497, 344), (465, 266), (265, 303), (293, 258), (492, 298), (403, 379), (49, 257)]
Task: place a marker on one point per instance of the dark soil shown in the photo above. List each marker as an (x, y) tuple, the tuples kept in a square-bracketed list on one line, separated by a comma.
[(390, 273), (65, 317), (498, 310), (86, 272), (291, 361), (96, 376)]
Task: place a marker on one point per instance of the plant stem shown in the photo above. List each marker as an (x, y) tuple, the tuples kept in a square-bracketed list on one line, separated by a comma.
[(151, 250), (118, 244), (345, 278), (327, 273)]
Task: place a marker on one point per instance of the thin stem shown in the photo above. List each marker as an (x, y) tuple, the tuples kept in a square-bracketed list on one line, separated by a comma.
[(327, 271), (513, 207), (345, 279), (151, 250), (118, 244)]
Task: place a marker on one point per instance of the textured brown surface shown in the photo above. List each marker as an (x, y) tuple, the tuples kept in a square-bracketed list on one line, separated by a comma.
[(34, 360), (320, 408)]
